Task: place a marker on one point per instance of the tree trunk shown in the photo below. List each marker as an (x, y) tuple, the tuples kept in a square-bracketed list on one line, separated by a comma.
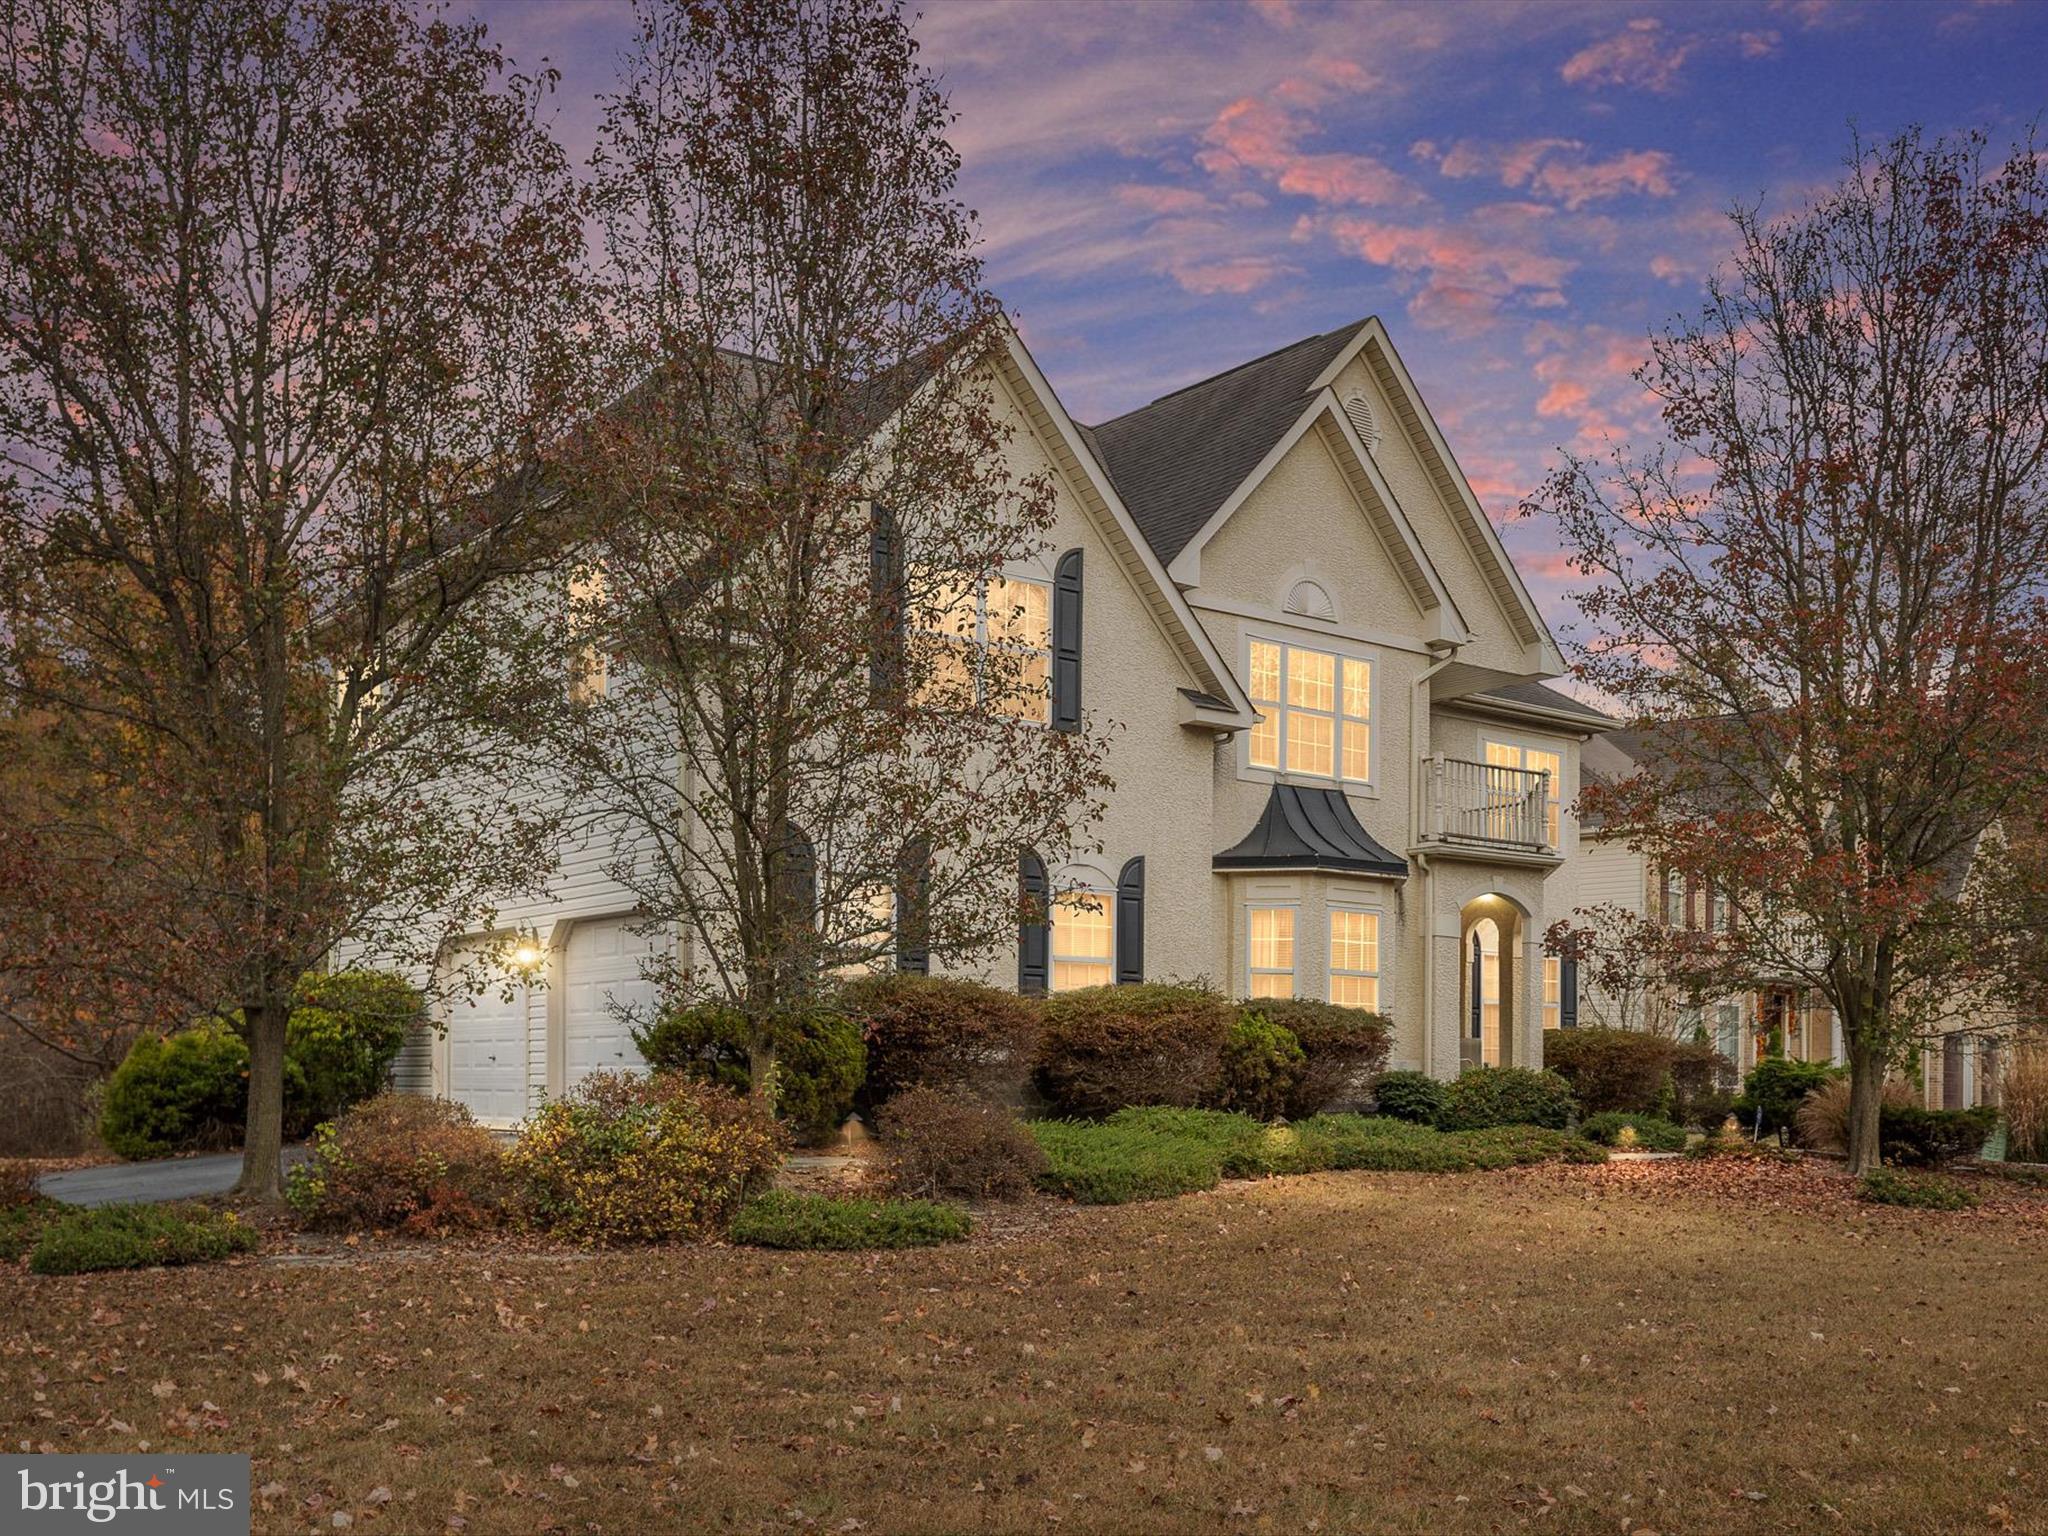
[(263, 1137), (761, 1075), (1866, 1097)]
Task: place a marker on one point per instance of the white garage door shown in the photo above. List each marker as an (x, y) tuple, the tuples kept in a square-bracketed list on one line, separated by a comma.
[(603, 975), (487, 1054)]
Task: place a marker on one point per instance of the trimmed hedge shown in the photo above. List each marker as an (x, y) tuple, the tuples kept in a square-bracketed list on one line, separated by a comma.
[(959, 1037), (404, 1162), (1489, 1096), (820, 1061), (941, 1145), (780, 1219), (1652, 1133), (1774, 1090), (1342, 1048), (1105, 1048), (1261, 1067), (1611, 1069), (1103, 1163), (1932, 1138), (1412, 1096), (185, 1092), (137, 1237)]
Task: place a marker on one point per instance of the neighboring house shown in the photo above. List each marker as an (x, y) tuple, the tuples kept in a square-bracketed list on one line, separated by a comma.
[(1775, 1015), (1338, 771)]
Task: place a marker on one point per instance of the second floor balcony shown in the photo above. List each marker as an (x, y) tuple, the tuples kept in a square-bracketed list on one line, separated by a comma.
[(1484, 805)]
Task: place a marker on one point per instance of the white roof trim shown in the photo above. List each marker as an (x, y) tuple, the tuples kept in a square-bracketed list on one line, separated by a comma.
[(1212, 674), (1434, 595), (1372, 333)]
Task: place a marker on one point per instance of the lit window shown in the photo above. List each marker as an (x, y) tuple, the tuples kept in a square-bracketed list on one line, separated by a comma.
[(587, 668), (870, 947), (1317, 709), (1553, 992), (995, 647), (1491, 1046), (1355, 958), (1083, 941), (1270, 951), (1502, 754)]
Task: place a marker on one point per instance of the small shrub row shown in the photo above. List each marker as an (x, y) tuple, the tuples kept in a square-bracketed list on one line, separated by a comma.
[(190, 1091), (1927, 1192), (136, 1237), (1478, 1098), (1648, 1133), (780, 1219), (1103, 1163), (1932, 1138)]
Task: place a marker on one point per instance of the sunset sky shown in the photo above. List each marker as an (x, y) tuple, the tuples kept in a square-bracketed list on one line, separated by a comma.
[(1520, 190)]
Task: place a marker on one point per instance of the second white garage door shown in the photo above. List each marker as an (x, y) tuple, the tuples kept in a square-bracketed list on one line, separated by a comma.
[(487, 1053), (603, 966)]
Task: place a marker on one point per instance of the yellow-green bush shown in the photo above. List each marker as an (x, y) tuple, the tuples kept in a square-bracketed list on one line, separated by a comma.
[(623, 1158)]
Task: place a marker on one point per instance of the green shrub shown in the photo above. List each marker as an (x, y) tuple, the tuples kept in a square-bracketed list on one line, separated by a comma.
[(1652, 1132), (1774, 1090), (403, 1162), (819, 1059), (1413, 1096), (1488, 1096), (1927, 1192), (1103, 1048), (187, 1092), (1611, 1069), (959, 1037), (137, 1237), (1932, 1138), (1702, 1086), (1822, 1118), (1517, 1146), (1098, 1163), (21, 1225), (942, 1145), (345, 1029), (1343, 1048), (780, 1219), (625, 1158), (1260, 1067)]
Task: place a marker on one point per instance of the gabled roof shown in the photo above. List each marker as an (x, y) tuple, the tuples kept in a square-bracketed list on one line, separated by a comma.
[(1178, 459), (1309, 828)]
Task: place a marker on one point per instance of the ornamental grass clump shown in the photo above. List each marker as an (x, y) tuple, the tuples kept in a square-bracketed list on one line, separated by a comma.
[(623, 1158)]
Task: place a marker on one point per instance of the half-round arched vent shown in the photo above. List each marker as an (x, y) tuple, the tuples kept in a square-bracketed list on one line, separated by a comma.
[(1308, 599), (1359, 410)]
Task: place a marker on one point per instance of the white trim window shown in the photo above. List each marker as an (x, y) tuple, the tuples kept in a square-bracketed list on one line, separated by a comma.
[(1317, 709), (1553, 992), (1010, 617), (1515, 754), (1355, 957), (1269, 951), (1083, 941)]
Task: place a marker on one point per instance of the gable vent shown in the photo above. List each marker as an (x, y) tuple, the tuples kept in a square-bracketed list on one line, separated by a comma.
[(1308, 599), (1359, 410)]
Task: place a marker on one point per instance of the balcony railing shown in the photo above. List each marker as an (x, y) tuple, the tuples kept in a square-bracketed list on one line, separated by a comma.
[(1485, 805)]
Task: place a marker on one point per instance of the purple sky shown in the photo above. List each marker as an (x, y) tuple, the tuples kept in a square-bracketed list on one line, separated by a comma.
[(1520, 189)]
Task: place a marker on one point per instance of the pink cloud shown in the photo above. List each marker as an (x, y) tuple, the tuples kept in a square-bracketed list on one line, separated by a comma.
[(1252, 135), (1163, 201), (1467, 271), (1234, 274), (1757, 45), (1639, 57), (1559, 168)]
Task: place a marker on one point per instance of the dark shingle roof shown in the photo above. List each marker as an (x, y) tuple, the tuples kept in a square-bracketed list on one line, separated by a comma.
[(1175, 461), (1310, 828), (1543, 696)]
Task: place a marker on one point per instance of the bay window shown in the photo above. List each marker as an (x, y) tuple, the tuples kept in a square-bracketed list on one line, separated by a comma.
[(1354, 958), (1269, 946)]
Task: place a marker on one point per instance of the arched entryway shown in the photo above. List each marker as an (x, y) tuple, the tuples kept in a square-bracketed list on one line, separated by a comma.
[(1491, 929)]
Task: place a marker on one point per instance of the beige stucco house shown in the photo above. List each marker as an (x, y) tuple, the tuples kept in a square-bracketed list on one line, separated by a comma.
[(1339, 772)]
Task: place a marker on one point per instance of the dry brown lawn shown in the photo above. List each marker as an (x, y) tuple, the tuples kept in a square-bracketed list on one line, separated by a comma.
[(1601, 1349)]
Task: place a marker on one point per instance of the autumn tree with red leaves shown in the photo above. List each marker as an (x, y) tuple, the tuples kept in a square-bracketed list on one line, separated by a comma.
[(1833, 571), (818, 708), (289, 301)]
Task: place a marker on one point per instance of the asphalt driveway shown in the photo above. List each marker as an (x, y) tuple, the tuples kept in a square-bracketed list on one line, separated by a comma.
[(177, 1178)]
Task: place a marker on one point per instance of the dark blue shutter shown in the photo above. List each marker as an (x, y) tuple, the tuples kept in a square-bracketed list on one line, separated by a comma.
[(1034, 935), (800, 878), (885, 600), (1066, 642), (1478, 991), (1568, 994), (1130, 923), (913, 909)]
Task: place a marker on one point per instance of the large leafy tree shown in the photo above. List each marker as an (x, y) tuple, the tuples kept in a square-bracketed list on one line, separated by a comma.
[(823, 717), (288, 295), (1833, 572)]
